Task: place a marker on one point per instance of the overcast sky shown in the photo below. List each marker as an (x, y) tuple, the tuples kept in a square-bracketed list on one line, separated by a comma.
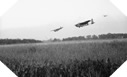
[(36, 18)]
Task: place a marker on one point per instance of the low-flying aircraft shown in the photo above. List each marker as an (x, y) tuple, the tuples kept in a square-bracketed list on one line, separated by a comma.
[(86, 23), (55, 30)]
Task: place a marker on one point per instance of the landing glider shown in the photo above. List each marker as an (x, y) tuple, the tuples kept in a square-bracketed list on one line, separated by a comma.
[(55, 30), (86, 23)]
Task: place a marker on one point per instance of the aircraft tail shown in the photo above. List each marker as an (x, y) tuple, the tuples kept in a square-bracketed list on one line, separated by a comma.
[(92, 22)]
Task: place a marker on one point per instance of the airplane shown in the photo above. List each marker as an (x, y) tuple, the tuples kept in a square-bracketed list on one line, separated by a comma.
[(86, 23), (105, 15), (55, 30)]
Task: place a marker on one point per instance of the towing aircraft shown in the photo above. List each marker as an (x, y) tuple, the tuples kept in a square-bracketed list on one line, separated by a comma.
[(86, 23), (105, 15)]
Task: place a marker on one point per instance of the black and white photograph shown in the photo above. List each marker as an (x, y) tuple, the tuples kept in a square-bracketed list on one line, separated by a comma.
[(63, 38)]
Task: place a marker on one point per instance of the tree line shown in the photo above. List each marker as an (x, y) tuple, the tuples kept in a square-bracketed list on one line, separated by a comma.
[(18, 41), (101, 36), (88, 37)]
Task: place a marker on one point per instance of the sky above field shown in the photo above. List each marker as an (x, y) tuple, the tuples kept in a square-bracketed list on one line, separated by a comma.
[(36, 18)]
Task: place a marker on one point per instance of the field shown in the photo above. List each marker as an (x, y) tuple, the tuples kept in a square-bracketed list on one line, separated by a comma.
[(91, 58)]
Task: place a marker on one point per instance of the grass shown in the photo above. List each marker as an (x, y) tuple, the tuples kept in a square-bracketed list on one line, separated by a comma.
[(65, 59)]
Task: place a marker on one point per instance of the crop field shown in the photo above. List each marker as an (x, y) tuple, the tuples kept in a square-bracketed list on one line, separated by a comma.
[(90, 58)]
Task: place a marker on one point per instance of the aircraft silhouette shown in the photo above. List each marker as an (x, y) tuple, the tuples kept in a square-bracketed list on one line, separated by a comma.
[(86, 23), (105, 15), (55, 30)]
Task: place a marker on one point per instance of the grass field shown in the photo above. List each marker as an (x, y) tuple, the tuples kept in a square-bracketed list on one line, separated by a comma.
[(24, 58)]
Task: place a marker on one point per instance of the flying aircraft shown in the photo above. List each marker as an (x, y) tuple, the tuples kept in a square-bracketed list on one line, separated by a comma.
[(105, 15), (55, 30), (86, 23)]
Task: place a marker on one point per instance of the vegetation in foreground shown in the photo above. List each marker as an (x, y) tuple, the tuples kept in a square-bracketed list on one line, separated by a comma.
[(65, 60), (75, 68)]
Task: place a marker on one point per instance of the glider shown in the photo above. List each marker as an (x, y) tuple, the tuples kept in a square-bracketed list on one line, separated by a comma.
[(86, 23), (55, 30)]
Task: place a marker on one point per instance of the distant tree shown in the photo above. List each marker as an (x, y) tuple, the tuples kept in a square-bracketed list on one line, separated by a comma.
[(81, 38), (88, 37), (102, 36), (94, 37), (74, 38), (55, 39)]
